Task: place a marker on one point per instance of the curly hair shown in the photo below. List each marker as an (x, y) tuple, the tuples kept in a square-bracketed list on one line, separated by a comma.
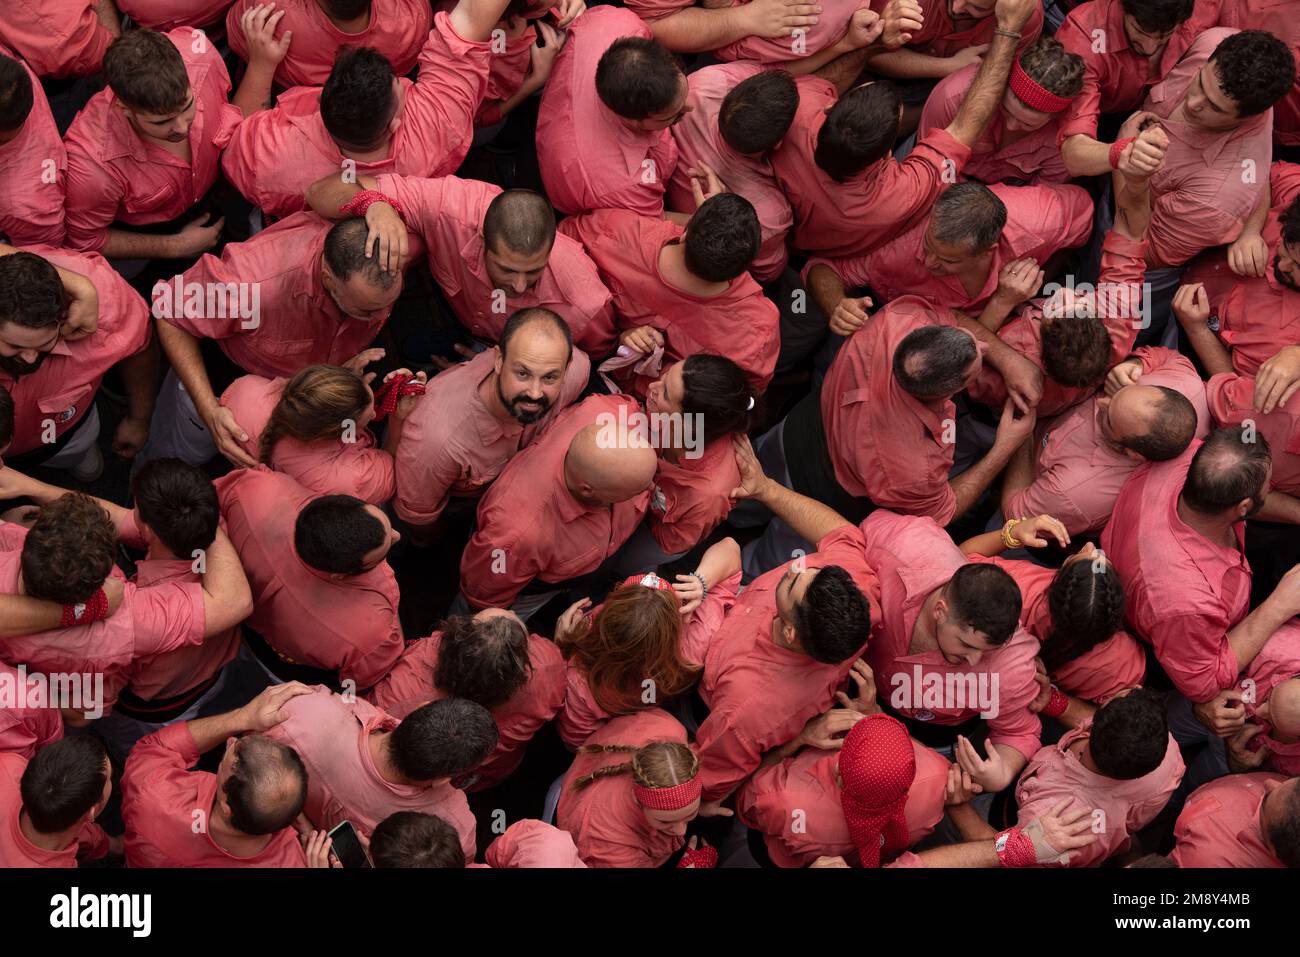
[(69, 551), (1255, 68)]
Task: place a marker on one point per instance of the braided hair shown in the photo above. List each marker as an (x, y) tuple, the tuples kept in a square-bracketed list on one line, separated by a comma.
[(659, 764), (1086, 602), (1053, 68)]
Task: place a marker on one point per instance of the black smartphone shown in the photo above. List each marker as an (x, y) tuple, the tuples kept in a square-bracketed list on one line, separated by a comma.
[(347, 846)]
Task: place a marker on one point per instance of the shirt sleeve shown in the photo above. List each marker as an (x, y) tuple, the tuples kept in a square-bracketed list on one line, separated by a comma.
[(378, 660), (491, 576), (1015, 725), (158, 763), (440, 107), (1194, 651), (1055, 492), (707, 619), (93, 199), (727, 755), (1190, 219), (372, 475), (167, 616), (934, 162)]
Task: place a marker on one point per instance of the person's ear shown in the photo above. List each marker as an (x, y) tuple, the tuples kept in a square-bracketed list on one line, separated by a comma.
[(1244, 507), (587, 489)]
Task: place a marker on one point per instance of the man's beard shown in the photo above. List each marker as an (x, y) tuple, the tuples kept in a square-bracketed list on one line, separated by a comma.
[(1281, 277), (18, 368), (520, 415)]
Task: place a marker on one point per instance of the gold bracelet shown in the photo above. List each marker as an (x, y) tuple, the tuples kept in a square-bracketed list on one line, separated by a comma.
[(1009, 540)]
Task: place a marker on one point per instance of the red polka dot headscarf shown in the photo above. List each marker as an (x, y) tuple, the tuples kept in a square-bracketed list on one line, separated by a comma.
[(877, 765)]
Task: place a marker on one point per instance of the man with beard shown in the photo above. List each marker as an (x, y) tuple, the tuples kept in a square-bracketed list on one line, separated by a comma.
[(491, 252), (475, 416), (52, 377), (301, 292)]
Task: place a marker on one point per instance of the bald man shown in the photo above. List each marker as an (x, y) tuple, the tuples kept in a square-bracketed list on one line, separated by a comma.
[(561, 507)]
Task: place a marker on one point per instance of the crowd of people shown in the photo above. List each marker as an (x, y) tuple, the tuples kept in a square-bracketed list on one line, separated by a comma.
[(859, 433)]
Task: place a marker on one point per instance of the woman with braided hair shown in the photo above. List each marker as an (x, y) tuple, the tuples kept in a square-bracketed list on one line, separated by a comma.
[(315, 428), (1076, 613), (1019, 146), (631, 792)]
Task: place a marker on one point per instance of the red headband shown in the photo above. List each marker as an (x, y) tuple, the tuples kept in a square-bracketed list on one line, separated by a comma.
[(877, 765), (668, 799), (1033, 95), (649, 580)]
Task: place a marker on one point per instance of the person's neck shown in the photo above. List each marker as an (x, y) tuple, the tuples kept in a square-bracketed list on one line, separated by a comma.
[(378, 743), (355, 25), (57, 841), (374, 154), (491, 396), (232, 840), (1083, 752), (672, 267), (923, 636), (1216, 528)]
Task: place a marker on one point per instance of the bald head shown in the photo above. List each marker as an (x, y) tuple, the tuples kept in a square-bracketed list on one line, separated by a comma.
[(1229, 472), (609, 461), (266, 786), (1284, 708), (520, 221), (1156, 422)]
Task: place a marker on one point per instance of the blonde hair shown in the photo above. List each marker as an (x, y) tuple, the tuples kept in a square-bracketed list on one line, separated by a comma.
[(659, 764)]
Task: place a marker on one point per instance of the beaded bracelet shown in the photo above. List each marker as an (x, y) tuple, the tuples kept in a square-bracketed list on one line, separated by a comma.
[(84, 613)]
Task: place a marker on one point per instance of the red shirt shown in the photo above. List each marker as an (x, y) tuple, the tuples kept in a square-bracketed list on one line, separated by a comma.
[(410, 685), (1278, 18), (169, 14), (1183, 592), (448, 214), (32, 169), (530, 843), (57, 38), (554, 537), (276, 154), (293, 323), (1232, 402), (699, 141), (1124, 807), (327, 466), (940, 37), (796, 805), (1040, 221), (588, 158), (1034, 159), (346, 623), (856, 216), (1277, 661), (454, 447), (914, 557), (1079, 474), (114, 176), (692, 497), (397, 29), (16, 850), (1116, 78), (166, 807), (1220, 825), (29, 720), (743, 665), (51, 401), (607, 823), (829, 29), (740, 323), (1097, 675), (885, 444), (332, 736)]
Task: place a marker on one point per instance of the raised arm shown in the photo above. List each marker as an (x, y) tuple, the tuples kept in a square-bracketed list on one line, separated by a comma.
[(809, 518)]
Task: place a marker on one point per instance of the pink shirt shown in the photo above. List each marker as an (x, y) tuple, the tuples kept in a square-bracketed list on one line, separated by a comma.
[(826, 32), (1278, 18), (1183, 592), (885, 444), (588, 158), (856, 216), (150, 621), (276, 154), (744, 665), (346, 623), (692, 497), (332, 736), (57, 38), (553, 537), (1232, 402), (292, 324), (1117, 302), (796, 805), (1116, 78), (32, 169), (1097, 675), (114, 176), (1040, 221), (740, 323), (940, 36), (169, 14), (1200, 197), (162, 800), (914, 557), (1277, 661), (328, 466), (448, 213), (16, 850), (453, 446), (411, 684), (1220, 825), (397, 29), (699, 141), (51, 401), (582, 715), (530, 843), (1078, 473), (28, 723), (607, 824), (1034, 159), (1056, 774)]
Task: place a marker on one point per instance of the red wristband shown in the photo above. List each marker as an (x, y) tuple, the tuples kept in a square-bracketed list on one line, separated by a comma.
[(361, 202), (84, 613), (1015, 848), (1117, 148), (701, 857), (1056, 704)]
